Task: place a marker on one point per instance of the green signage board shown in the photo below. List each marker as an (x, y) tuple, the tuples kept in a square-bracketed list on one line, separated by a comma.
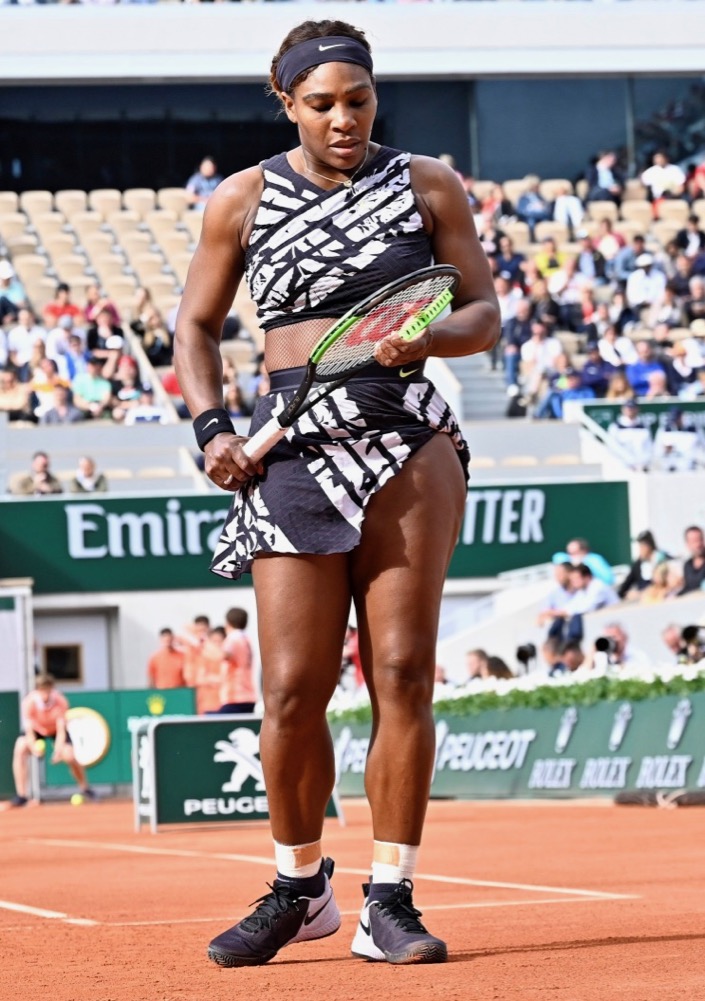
[(9, 731), (653, 414), (205, 770), (165, 543), (576, 751), (121, 710)]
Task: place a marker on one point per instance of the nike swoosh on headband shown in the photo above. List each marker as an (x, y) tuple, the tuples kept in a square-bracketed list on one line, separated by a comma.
[(312, 917), (338, 45), (213, 420), (404, 373)]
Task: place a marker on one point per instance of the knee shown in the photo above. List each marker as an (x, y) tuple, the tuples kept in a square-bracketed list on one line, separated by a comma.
[(21, 749), (291, 703), (405, 679)]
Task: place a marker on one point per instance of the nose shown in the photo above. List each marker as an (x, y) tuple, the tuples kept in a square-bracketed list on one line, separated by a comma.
[(343, 117)]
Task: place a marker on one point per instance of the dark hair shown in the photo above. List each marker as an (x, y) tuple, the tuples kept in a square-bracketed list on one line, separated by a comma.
[(40, 453), (202, 620), (62, 287), (217, 631), (582, 570), (693, 528), (236, 617), (498, 668), (302, 33), (44, 681), (165, 630)]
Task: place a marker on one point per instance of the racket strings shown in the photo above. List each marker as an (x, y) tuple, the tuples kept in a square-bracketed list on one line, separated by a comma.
[(356, 347)]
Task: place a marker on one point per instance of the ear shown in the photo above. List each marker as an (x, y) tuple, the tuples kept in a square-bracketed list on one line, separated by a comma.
[(289, 107)]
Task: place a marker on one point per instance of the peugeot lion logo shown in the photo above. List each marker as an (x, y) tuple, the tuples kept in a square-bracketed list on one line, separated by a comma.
[(622, 719), (242, 751), (565, 729), (679, 721)]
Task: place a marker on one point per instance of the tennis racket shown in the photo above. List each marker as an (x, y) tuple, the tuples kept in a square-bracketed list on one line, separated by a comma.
[(405, 307)]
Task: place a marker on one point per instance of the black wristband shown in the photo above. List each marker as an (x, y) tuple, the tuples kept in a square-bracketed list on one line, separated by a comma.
[(210, 423)]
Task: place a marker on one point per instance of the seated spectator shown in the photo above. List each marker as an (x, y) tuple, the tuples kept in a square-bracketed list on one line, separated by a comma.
[(672, 638), (624, 261), (616, 349), (16, 397), (154, 337), (632, 437), (62, 410), (566, 286), (619, 388), (57, 342), (443, 687), (638, 371), (469, 185), (604, 178), (567, 386), (510, 261), (234, 401), (126, 387), (694, 301), (498, 668), (666, 310), (587, 594), (100, 332), (562, 656), (690, 239), (694, 566), (621, 313), (21, 339), (201, 184), (538, 356), (621, 653), (578, 553), (531, 206), (516, 332), (657, 385), (497, 206), (680, 278), (568, 209), (44, 381), (91, 392), (590, 261), (87, 480), (665, 583), (489, 235), (549, 259), (39, 481), (663, 179), (476, 666), (75, 356), (545, 308), (679, 372), (8, 311), (559, 595), (596, 372), (98, 301), (61, 305), (608, 243), (11, 288), (641, 571), (146, 411), (645, 284)]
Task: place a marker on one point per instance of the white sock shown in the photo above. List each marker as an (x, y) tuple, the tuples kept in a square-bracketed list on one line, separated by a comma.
[(392, 862), (298, 861)]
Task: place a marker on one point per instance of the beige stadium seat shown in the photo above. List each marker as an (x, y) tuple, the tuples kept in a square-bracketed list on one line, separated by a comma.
[(120, 286), (638, 211), (25, 243), (70, 201), (98, 243), (59, 245), (563, 459), (634, 190), (602, 210), (157, 472), (105, 201), (520, 460), (30, 266), (108, 265), (674, 210), (481, 189), (142, 200), (162, 284), (32, 202), (87, 223), (519, 234), (551, 187), (12, 224), (698, 208), (148, 267), (118, 473), (124, 221), (49, 224), (483, 462), (9, 201), (174, 242), (514, 188), (556, 230), (628, 229), (162, 220), (193, 221), (165, 302), (138, 242), (581, 189), (70, 266), (174, 199), (664, 231)]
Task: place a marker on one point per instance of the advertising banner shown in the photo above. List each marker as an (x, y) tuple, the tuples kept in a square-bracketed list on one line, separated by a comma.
[(597, 750), (204, 769), (653, 414), (165, 543), (9, 731)]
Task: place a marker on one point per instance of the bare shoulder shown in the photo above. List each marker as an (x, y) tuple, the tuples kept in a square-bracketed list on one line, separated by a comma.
[(233, 204), (430, 174)]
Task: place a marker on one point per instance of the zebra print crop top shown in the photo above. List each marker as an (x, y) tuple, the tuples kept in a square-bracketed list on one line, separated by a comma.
[(316, 253)]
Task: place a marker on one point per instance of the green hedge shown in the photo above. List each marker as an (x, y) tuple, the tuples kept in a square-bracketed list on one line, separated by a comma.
[(584, 694)]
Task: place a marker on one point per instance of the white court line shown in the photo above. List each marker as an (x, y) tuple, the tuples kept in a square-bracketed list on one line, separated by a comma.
[(263, 860), (40, 912)]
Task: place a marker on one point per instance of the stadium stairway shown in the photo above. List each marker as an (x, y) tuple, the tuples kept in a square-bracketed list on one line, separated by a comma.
[(484, 395)]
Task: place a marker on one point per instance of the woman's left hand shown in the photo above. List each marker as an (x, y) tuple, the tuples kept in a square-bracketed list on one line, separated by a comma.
[(395, 351)]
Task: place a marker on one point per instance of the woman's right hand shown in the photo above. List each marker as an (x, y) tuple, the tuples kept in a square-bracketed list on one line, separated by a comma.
[(226, 463)]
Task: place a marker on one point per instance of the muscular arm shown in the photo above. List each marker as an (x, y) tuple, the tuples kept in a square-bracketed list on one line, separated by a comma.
[(474, 324)]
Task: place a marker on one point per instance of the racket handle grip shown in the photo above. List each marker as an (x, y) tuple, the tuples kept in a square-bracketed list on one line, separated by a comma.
[(264, 439)]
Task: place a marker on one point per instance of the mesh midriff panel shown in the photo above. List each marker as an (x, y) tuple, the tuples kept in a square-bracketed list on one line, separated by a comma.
[(291, 346)]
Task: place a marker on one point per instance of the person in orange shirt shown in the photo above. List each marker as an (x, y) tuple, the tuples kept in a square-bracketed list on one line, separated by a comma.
[(165, 668), (191, 641), (207, 681), (43, 715), (237, 687)]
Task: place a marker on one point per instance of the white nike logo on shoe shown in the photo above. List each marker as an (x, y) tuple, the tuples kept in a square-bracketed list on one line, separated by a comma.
[(213, 420), (312, 917), (365, 928), (338, 45)]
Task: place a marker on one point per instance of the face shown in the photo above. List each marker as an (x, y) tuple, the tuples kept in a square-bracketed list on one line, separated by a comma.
[(40, 463), (575, 551), (643, 349), (618, 635), (24, 318), (334, 109), (45, 692), (207, 168), (166, 639), (561, 574), (695, 542), (7, 381), (86, 466), (474, 664), (573, 658)]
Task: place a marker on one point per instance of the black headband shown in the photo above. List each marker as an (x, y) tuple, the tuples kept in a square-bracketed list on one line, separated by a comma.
[(314, 51)]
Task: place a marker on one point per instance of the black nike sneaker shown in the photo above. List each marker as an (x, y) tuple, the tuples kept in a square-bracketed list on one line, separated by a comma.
[(280, 918), (390, 930)]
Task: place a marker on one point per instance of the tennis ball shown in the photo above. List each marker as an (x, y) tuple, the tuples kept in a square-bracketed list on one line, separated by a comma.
[(76, 799), (40, 747)]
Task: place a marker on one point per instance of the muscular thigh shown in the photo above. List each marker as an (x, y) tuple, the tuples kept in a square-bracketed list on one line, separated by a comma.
[(409, 533), (303, 603)]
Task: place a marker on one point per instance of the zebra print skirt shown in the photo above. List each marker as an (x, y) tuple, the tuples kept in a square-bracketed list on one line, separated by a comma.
[(320, 477)]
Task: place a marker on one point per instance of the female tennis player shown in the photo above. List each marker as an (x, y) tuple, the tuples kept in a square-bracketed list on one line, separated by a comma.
[(362, 500)]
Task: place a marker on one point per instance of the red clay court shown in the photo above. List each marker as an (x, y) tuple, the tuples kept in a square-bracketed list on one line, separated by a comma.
[(574, 901)]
